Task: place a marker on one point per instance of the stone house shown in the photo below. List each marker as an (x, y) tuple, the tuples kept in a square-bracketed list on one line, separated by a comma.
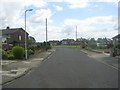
[(12, 37)]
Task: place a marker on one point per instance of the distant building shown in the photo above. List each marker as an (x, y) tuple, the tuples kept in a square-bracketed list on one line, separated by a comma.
[(54, 42), (101, 44), (13, 36), (68, 42)]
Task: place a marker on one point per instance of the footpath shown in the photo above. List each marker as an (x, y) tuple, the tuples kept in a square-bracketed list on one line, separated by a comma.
[(13, 69), (103, 58)]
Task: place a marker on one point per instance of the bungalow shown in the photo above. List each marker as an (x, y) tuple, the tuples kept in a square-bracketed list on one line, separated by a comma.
[(13, 36)]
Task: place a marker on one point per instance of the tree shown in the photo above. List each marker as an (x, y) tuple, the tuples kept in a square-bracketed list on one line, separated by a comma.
[(92, 43), (31, 41)]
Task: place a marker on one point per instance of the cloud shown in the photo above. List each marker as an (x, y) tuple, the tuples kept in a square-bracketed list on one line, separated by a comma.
[(100, 26), (78, 3), (36, 3), (12, 11), (12, 14), (39, 32), (73, 4), (58, 8), (41, 15)]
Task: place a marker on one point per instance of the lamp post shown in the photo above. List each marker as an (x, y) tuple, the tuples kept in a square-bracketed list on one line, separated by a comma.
[(26, 34)]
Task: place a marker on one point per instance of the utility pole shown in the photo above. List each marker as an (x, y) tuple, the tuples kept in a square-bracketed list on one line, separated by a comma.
[(46, 30), (46, 34), (76, 36)]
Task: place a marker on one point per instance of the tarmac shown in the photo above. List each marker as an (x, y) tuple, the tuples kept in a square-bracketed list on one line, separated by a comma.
[(104, 58), (13, 69)]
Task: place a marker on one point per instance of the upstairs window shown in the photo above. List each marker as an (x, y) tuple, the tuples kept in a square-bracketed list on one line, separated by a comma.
[(20, 38)]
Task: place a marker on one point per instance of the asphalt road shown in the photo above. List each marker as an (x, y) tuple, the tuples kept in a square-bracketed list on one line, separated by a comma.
[(68, 68)]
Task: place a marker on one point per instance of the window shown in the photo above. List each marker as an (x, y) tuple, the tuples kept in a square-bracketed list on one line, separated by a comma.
[(3, 39), (20, 37)]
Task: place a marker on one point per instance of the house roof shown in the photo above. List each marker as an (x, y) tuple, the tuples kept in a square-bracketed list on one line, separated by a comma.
[(11, 31), (118, 36), (68, 40)]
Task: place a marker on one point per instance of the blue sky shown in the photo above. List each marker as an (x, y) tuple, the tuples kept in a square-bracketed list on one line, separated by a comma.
[(93, 10), (94, 19)]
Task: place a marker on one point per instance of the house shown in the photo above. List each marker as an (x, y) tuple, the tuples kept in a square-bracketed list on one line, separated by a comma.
[(115, 49), (54, 42), (101, 44), (116, 40), (68, 42), (13, 36), (0, 39)]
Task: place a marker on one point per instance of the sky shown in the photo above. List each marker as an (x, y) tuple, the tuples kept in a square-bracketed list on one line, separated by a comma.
[(93, 18)]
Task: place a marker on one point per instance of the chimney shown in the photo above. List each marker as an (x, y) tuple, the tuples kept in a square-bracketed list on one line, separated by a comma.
[(8, 27)]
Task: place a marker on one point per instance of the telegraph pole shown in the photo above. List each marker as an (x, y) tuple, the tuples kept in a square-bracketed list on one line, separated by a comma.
[(46, 30), (76, 33), (76, 36), (46, 34)]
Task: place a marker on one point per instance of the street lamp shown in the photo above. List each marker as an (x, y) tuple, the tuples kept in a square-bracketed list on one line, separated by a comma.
[(26, 34)]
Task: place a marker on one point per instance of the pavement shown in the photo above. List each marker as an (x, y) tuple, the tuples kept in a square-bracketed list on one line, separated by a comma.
[(68, 68), (13, 69), (103, 58)]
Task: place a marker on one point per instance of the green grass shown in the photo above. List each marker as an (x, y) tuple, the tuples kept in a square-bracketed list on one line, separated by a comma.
[(67, 46)]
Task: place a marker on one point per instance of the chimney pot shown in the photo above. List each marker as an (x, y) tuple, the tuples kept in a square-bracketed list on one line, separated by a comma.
[(8, 27)]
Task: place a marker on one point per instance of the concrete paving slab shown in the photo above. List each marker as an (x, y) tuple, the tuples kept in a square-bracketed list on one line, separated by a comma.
[(38, 59), (8, 76), (13, 70), (6, 62), (103, 58)]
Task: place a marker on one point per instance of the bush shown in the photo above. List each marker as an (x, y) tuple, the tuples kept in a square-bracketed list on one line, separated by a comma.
[(18, 52), (9, 52), (92, 45), (118, 46), (31, 48), (30, 52), (4, 54), (11, 57), (48, 45)]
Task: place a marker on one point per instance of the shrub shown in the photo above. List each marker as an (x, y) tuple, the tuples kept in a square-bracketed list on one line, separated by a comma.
[(18, 52), (3, 54), (48, 46), (11, 57), (9, 52), (118, 46), (31, 48), (30, 52)]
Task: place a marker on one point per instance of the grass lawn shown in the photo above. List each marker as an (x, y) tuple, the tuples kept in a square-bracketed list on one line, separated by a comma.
[(66, 46)]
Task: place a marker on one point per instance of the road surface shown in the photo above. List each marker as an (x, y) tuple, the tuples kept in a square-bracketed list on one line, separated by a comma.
[(68, 68)]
